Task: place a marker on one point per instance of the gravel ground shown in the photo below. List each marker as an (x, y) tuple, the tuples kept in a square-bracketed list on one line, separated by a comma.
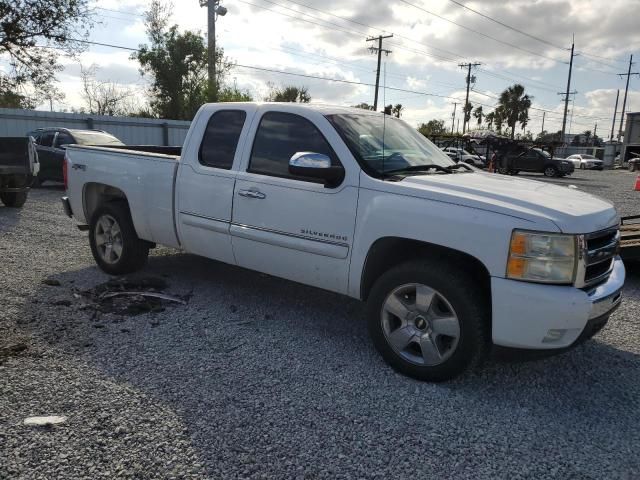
[(258, 377)]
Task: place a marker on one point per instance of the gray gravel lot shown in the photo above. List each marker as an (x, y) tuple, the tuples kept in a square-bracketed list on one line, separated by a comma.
[(257, 377)]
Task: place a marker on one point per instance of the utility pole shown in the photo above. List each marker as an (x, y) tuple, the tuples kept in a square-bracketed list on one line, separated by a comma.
[(615, 111), (595, 132), (566, 109), (378, 49), (453, 117), (626, 89), (214, 9), (566, 98), (466, 102), (458, 129), (542, 129)]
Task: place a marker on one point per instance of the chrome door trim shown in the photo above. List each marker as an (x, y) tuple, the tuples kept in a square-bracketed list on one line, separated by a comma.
[(293, 241), (207, 223)]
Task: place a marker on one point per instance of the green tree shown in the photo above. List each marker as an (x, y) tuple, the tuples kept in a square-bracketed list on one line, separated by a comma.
[(233, 94), (397, 110), (432, 128), (478, 115), (489, 119), (26, 26), (288, 93), (364, 106), (514, 104), (177, 63)]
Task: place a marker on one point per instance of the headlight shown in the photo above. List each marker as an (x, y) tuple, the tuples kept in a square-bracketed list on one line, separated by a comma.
[(542, 257)]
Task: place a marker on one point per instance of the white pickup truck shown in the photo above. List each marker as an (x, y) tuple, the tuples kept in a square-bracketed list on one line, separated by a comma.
[(450, 260)]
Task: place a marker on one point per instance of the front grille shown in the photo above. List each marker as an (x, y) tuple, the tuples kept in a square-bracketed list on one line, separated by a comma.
[(600, 248)]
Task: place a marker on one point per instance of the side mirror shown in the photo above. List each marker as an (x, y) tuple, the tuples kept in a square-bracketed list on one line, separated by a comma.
[(316, 165)]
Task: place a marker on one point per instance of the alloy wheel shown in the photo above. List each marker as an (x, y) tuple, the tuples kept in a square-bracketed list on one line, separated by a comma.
[(420, 324)]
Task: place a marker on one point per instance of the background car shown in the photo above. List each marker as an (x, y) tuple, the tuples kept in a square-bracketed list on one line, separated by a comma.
[(51, 144), (586, 162), (461, 155), (534, 160)]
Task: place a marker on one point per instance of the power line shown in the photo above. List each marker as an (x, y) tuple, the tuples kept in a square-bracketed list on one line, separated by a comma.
[(479, 33), (488, 17), (120, 11)]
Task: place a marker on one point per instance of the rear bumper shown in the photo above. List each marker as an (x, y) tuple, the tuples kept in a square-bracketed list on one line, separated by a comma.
[(66, 206), (545, 317)]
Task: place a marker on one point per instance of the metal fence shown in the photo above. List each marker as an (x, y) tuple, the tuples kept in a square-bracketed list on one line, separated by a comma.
[(131, 130)]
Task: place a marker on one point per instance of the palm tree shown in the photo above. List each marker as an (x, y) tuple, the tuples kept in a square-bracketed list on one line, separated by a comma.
[(489, 118), (397, 110), (515, 106), (477, 113)]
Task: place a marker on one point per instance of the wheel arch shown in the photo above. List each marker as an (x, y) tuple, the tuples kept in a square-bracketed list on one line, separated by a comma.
[(387, 252), (95, 194)]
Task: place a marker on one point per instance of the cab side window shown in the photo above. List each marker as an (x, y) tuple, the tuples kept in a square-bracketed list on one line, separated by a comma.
[(221, 138), (46, 139), (281, 135), (64, 139)]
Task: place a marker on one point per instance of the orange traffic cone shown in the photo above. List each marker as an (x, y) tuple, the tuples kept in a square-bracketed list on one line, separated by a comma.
[(638, 184)]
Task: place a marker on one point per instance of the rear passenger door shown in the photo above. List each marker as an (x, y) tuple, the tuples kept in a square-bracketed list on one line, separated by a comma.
[(48, 170), (57, 154), (205, 181), (289, 226)]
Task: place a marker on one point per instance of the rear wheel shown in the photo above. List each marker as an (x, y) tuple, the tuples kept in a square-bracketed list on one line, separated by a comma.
[(503, 170), (13, 199), (550, 171), (114, 243), (428, 320)]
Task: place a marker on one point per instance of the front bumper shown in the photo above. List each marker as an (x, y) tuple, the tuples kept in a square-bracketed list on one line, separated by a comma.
[(536, 316)]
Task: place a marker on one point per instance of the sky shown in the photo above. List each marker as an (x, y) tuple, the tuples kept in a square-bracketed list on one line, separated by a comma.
[(520, 41)]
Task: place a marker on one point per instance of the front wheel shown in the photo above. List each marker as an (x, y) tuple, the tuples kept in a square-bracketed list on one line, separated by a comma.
[(428, 320), (114, 243), (551, 172), (503, 170)]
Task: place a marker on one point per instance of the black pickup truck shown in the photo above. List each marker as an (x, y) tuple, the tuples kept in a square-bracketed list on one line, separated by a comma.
[(534, 160), (18, 167)]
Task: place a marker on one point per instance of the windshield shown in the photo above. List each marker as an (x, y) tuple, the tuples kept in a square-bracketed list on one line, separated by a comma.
[(383, 144), (95, 138)]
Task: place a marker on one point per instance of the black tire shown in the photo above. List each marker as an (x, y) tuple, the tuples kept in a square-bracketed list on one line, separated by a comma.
[(134, 252), (582, 167), (464, 296), (13, 199), (550, 171), (503, 170)]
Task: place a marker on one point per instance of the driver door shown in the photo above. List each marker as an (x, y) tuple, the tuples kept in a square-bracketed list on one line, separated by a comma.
[(289, 226)]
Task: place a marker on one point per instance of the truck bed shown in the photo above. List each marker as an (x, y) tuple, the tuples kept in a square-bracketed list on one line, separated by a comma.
[(630, 238)]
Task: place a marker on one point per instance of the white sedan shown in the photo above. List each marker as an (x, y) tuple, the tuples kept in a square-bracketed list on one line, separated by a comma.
[(586, 162), (461, 155)]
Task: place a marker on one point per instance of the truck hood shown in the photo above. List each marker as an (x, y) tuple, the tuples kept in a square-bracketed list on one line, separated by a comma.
[(570, 209)]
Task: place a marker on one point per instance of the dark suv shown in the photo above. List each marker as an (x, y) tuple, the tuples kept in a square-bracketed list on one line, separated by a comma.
[(51, 144), (534, 160)]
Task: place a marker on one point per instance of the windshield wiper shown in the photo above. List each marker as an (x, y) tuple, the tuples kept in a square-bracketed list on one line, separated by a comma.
[(458, 165), (419, 168)]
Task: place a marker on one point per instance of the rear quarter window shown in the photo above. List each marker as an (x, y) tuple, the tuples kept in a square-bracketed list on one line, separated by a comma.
[(220, 140)]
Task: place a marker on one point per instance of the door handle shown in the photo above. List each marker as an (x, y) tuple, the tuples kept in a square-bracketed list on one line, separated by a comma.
[(252, 194), (79, 166)]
